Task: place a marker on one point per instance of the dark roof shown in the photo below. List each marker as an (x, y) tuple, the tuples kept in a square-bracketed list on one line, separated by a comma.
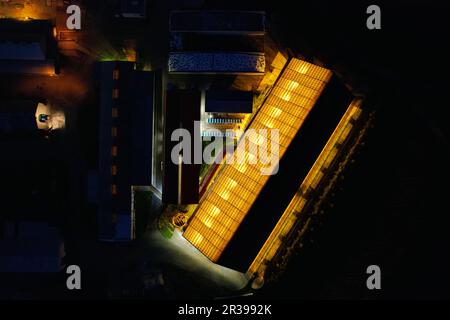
[(21, 51), (18, 106), (136, 8), (207, 42), (123, 227), (218, 21), (11, 29), (229, 101), (182, 110), (27, 67), (27, 47), (17, 115), (133, 139), (33, 248)]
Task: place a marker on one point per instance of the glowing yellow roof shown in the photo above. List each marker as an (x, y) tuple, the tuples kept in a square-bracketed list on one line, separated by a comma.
[(237, 186), (315, 174)]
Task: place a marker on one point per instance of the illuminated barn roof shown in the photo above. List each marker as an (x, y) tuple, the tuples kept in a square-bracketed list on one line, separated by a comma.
[(315, 175), (229, 199)]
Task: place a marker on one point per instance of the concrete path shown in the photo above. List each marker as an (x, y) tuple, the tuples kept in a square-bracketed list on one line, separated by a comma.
[(179, 253)]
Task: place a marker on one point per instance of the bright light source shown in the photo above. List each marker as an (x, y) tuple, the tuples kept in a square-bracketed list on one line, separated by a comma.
[(232, 183), (215, 211), (225, 194), (275, 111), (197, 239), (303, 69), (286, 97)]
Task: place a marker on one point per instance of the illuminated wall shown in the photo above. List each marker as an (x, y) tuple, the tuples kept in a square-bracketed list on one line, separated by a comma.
[(237, 186), (316, 173)]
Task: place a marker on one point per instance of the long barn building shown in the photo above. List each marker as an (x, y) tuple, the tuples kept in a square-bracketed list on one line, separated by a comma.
[(238, 218)]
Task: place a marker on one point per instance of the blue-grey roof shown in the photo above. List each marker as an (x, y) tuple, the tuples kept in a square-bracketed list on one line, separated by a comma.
[(34, 248), (123, 227), (21, 51), (136, 8), (217, 62), (27, 66), (27, 47)]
